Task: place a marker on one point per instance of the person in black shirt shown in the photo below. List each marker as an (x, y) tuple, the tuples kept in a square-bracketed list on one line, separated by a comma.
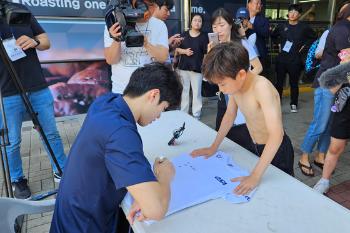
[(28, 39), (319, 129), (192, 50), (293, 36)]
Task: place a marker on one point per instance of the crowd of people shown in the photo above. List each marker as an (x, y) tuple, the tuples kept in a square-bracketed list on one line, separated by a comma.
[(107, 158)]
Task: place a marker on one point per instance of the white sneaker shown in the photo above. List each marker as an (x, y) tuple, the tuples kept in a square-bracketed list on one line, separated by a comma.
[(56, 177), (322, 186), (293, 108)]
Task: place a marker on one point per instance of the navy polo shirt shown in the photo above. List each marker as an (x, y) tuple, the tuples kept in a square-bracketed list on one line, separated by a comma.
[(106, 157)]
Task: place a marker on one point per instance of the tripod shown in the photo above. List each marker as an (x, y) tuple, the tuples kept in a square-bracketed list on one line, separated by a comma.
[(4, 132)]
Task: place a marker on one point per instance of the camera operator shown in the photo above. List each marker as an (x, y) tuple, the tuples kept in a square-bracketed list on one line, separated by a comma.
[(124, 60), (28, 39)]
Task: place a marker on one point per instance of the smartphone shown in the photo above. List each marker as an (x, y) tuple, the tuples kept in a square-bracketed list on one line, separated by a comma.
[(213, 37)]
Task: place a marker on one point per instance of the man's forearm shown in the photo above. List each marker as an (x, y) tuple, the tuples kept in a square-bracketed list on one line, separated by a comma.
[(164, 193), (113, 53), (159, 53)]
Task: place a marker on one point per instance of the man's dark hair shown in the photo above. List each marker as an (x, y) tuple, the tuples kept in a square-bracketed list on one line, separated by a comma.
[(296, 7), (156, 76), (168, 3), (225, 59)]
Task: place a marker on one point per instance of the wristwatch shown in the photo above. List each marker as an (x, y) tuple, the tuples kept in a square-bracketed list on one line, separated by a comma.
[(37, 42)]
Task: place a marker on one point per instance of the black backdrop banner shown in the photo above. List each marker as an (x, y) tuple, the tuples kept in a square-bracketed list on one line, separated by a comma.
[(77, 8), (65, 8)]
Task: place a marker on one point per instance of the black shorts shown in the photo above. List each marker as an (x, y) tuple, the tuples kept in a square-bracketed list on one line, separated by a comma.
[(340, 127), (284, 158)]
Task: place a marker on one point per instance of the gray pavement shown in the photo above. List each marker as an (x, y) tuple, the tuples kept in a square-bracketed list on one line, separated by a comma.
[(38, 170)]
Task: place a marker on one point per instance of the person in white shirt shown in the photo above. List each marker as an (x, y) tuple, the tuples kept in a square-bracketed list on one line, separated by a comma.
[(124, 60)]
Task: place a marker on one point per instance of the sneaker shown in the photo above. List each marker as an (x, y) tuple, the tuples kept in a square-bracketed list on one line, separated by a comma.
[(21, 189), (56, 177), (293, 108), (322, 186)]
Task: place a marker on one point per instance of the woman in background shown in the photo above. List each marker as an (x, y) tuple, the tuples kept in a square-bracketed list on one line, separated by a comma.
[(191, 51)]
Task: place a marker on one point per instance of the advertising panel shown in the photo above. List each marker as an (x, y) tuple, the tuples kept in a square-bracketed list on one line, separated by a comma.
[(75, 85)]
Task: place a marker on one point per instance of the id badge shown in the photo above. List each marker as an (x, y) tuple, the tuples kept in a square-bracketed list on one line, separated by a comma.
[(287, 46), (13, 51)]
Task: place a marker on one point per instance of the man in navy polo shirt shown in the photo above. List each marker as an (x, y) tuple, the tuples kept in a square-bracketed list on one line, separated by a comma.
[(107, 158)]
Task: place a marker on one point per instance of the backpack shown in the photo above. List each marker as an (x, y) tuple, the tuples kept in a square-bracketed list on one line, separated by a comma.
[(311, 63)]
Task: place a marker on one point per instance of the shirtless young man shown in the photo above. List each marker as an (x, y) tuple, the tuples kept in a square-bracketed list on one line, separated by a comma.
[(227, 65)]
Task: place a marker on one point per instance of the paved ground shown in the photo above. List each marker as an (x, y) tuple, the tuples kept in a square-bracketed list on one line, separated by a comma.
[(38, 169)]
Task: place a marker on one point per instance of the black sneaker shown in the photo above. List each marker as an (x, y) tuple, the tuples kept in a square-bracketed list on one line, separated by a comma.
[(21, 189), (56, 177)]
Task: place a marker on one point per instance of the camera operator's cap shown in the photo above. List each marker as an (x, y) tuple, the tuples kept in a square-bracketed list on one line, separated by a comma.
[(243, 13)]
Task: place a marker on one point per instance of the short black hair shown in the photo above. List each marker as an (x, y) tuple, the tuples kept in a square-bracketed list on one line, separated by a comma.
[(156, 76), (296, 7), (225, 59), (168, 3)]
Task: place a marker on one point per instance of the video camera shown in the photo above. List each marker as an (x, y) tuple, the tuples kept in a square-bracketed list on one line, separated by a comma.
[(14, 14), (126, 14)]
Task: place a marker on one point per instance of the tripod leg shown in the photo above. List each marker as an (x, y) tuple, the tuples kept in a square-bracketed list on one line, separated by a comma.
[(4, 141), (5, 170)]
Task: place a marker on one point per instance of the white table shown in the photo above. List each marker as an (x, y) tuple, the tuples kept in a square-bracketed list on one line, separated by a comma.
[(281, 203)]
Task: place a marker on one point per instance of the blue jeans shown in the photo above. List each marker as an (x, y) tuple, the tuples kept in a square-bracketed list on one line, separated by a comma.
[(42, 102), (319, 129)]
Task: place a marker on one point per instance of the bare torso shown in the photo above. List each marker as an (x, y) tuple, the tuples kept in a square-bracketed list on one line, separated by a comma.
[(251, 109)]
